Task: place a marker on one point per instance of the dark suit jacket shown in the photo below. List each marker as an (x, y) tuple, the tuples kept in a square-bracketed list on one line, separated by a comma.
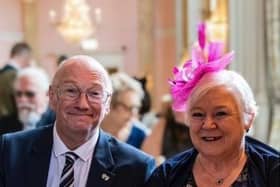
[(10, 124), (25, 159)]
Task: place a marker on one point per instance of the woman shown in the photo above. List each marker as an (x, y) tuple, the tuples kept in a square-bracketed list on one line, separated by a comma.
[(121, 121), (219, 109)]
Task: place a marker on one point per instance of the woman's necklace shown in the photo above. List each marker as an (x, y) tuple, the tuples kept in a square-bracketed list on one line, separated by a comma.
[(220, 180)]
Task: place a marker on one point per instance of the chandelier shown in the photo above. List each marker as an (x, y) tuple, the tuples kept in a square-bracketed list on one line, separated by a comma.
[(75, 24), (215, 13)]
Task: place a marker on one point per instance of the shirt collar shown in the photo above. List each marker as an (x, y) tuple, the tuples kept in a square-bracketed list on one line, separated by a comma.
[(84, 151)]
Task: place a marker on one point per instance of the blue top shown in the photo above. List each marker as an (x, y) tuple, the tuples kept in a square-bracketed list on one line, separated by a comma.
[(137, 135), (48, 117), (263, 164), (241, 181)]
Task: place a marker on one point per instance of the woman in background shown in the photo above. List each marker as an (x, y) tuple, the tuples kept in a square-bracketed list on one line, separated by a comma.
[(121, 122)]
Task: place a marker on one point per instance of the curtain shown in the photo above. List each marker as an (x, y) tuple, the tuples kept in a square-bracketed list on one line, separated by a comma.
[(272, 62)]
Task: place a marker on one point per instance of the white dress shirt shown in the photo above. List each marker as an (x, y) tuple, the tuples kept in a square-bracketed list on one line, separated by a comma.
[(81, 166)]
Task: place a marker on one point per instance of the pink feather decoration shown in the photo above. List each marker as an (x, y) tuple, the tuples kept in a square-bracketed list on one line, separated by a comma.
[(205, 58)]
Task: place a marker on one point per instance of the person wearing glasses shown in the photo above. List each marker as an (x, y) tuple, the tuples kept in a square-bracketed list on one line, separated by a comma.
[(20, 57), (74, 151), (122, 121), (30, 92), (219, 109)]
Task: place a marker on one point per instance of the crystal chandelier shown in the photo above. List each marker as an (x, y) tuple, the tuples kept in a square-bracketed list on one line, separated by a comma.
[(75, 25)]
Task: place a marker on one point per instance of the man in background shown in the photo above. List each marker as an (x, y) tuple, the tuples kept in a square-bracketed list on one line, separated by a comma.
[(20, 57), (30, 91)]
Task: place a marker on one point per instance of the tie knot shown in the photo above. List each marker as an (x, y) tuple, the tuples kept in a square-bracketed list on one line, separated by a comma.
[(71, 156), (67, 175)]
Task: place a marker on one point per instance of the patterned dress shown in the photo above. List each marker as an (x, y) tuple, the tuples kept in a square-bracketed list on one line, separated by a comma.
[(241, 181)]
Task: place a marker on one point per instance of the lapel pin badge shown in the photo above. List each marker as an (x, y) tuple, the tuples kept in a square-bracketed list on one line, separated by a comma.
[(105, 177)]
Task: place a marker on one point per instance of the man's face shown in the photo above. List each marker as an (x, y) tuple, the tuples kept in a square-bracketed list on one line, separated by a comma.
[(31, 100), (79, 99)]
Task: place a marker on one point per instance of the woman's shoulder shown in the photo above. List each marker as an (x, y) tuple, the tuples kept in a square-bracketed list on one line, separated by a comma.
[(255, 146), (264, 163), (174, 171), (181, 162), (182, 158)]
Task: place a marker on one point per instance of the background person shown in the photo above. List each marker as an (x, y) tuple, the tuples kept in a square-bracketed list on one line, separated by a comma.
[(170, 135), (30, 91), (146, 115), (20, 57), (122, 121)]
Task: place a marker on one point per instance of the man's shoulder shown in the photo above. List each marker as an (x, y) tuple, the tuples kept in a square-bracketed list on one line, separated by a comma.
[(19, 145), (22, 137)]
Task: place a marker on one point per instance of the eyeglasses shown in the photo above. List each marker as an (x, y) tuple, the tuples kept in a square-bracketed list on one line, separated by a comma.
[(73, 92), (132, 109), (28, 94)]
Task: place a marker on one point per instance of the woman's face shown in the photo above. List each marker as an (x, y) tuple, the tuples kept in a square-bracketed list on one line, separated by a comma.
[(216, 125)]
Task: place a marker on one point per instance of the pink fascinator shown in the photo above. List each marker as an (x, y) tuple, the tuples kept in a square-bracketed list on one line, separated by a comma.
[(206, 57)]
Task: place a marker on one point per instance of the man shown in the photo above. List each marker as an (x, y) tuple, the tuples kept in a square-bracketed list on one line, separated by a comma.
[(20, 57), (74, 151), (122, 121), (30, 91)]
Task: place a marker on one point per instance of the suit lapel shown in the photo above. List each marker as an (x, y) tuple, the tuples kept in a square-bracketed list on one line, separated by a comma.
[(102, 165), (40, 154)]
